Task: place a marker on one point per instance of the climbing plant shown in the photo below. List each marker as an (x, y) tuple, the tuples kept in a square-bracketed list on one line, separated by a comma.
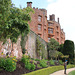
[(13, 21), (40, 49)]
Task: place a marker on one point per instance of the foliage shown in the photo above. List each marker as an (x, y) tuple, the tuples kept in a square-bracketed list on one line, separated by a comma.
[(24, 38), (40, 48), (60, 62), (28, 66), (53, 45), (38, 65), (25, 59), (52, 62), (49, 70), (61, 47), (37, 59), (69, 50), (33, 66), (8, 64), (13, 22), (2, 62), (43, 63)]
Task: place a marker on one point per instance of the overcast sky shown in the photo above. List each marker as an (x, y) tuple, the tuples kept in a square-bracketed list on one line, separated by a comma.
[(64, 9)]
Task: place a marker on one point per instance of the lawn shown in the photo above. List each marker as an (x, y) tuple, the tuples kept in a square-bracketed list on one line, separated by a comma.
[(72, 73)]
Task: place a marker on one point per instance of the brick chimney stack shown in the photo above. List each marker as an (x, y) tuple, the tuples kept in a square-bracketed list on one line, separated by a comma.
[(52, 17), (58, 20), (29, 4)]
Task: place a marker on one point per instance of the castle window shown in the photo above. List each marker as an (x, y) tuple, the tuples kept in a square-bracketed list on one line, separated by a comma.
[(50, 24), (50, 30), (57, 27), (48, 39), (39, 18), (39, 27), (39, 35)]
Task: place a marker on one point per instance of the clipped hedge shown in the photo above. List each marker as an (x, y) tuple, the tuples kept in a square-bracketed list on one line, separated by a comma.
[(49, 70)]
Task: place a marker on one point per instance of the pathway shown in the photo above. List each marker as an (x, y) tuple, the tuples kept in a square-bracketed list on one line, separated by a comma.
[(61, 72)]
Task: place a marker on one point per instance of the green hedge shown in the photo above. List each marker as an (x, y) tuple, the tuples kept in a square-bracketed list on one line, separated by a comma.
[(49, 70)]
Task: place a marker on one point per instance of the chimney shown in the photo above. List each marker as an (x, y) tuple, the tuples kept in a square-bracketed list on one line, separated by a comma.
[(58, 20), (29, 4), (52, 17)]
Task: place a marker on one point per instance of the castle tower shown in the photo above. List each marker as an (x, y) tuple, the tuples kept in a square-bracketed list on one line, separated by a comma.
[(29, 4), (52, 17)]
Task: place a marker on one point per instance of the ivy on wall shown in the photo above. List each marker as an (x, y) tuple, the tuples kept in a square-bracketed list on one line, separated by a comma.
[(40, 49), (24, 38)]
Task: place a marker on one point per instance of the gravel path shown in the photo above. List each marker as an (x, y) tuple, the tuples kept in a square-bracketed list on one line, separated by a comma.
[(61, 72)]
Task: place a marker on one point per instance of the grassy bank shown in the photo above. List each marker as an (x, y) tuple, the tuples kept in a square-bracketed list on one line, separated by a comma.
[(72, 73), (49, 70)]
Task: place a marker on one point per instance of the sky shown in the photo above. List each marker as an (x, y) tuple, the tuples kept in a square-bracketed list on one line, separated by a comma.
[(64, 9)]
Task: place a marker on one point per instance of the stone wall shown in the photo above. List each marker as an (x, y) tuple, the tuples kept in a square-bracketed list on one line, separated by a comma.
[(31, 44), (7, 48), (17, 51)]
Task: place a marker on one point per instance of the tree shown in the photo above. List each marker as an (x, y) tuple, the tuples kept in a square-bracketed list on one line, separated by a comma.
[(5, 6), (61, 47), (52, 45), (69, 50), (14, 21)]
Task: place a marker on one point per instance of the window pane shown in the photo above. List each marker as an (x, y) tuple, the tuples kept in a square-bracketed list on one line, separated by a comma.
[(39, 18), (39, 27), (50, 30), (48, 39)]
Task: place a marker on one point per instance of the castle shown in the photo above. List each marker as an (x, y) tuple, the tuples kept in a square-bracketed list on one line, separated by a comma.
[(40, 28), (46, 29)]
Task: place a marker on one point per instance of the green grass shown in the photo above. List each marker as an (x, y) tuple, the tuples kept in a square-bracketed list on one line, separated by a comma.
[(72, 73), (49, 70)]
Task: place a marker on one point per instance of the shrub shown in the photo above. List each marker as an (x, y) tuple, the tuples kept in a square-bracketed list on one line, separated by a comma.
[(25, 60), (33, 67), (37, 59), (10, 65), (43, 63), (38, 65), (28, 66), (52, 62), (2, 62), (60, 62)]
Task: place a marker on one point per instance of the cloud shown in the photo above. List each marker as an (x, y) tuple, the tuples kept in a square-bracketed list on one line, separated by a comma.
[(65, 10)]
